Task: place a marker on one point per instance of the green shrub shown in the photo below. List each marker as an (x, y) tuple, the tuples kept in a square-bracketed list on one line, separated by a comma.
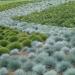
[(1, 37), (63, 66), (43, 36), (3, 43), (35, 37), (21, 39), (3, 50), (26, 42), (13, 38), (14, 45), (23, 34)]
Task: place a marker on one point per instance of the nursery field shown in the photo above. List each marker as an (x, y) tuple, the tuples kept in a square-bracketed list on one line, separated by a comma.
[(8, 4), (61, 15), (37, 37)]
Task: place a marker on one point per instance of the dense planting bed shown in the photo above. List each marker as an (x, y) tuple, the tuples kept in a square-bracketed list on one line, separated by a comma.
[(61, 15), (37, 49), (56, 56), (4, 5), (10, 39)]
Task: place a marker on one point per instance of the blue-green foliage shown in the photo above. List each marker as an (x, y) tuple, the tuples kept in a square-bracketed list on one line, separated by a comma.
[(3, 71), (50, 62), (27, 66), (14, 64), (52, 72), (59, 56), (19, 72), (39, 69), (70, 71), (63, 66), (4, 59)]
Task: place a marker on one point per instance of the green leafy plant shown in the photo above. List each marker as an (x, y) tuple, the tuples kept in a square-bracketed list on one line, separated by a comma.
[(13, 38), (14, 45), (4, 43), (26, 42), (4, 50)]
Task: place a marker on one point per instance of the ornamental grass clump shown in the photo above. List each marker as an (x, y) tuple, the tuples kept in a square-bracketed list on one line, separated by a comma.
[(60, 44), (13, 38), (4, 59), (19, 72), (43, 36), (63, 66), (49, 49), (26, 42), (32, 55), (4, 43), (14, 45), (36, 44), (3, 71), (1, 37), (71, 56), (59, 55), (30, 73), (72, 51), (66, 50), (50, 41), (14, 52), (70, 71), (39, 69), (41, 57), (23, 59), (51, 72), (27, 66), (72, 41), (58, 38), (35, 37), (49, 62), (4, 50), (14, 64)]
